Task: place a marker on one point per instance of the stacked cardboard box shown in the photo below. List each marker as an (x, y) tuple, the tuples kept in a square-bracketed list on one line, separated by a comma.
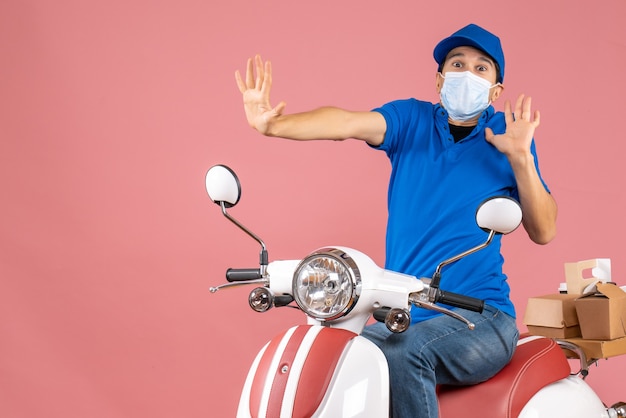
[(595, 320), (553, 316)]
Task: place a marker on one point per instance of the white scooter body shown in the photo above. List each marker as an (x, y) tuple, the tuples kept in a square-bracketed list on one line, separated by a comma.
[(295, 375), (321, 371), (569, 397), (326, 369)]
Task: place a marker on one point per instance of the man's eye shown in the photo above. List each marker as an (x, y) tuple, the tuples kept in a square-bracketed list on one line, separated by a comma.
[(456, 64)]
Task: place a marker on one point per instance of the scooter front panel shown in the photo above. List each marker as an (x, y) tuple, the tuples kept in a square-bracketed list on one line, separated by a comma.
[(318, 369), (360, 385), (294, 371)]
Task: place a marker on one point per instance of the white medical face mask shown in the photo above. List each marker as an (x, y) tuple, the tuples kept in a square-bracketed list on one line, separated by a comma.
[(465, 95)]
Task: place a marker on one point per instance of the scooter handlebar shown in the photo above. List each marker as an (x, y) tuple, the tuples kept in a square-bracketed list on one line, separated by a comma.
[(242, 275), (460, 301)]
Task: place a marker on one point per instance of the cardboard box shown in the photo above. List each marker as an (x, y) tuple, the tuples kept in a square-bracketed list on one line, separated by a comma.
[(552, 316), (602, 315), (577, 274), (598, 349)]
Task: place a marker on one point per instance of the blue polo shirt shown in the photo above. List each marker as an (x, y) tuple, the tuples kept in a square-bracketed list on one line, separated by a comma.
[(434, 190)]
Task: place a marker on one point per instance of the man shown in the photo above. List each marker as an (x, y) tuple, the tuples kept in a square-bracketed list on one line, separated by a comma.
[(446, 158)]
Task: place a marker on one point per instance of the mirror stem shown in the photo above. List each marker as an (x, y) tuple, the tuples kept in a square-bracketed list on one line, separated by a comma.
[(263, 257), (437, 276)]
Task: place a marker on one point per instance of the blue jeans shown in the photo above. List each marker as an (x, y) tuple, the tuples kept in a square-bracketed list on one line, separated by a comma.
[(442, 350)]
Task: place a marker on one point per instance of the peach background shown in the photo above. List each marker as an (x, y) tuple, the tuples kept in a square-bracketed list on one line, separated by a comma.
[(111, 112)]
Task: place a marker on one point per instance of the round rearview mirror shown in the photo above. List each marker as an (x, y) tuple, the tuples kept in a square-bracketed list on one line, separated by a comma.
[(501, 214), (222, 185)]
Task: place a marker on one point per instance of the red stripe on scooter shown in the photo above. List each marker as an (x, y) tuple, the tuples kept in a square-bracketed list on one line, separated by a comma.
[(318, 370), (263, 369), (280, 377)]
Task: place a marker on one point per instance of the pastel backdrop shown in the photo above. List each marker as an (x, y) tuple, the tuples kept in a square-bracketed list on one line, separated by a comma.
[(112, 111)]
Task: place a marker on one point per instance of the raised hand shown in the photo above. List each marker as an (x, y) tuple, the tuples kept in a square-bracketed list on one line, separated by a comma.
[(256, 95), (520, 128)]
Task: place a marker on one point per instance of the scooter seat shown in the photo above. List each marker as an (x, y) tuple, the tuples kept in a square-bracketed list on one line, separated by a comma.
[(537, 362)]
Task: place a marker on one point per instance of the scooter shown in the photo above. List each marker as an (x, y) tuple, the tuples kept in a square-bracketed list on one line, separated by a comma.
[(326, 369)]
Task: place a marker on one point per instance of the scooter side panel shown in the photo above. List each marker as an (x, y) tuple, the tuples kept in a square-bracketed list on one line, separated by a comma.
[(570, 397), (292, 374), (264, 391)]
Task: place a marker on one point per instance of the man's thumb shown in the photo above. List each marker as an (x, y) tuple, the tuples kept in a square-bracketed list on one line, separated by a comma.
[(488, 135), (278, 110)]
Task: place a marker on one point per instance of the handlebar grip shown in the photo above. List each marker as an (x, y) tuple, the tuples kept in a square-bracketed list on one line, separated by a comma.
[(460, 301), (242, 275)]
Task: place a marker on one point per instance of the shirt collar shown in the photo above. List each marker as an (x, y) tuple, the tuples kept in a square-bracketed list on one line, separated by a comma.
[(442, 117), (485, 116)]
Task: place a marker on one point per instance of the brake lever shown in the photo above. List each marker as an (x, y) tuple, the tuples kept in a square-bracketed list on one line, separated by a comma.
[(421, 303), (264, 282)]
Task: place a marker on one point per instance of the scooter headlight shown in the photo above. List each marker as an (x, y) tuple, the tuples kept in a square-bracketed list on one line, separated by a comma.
[(327, 284)]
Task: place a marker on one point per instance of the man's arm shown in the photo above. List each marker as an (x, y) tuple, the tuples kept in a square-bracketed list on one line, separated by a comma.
[(324, 123), (539, 209)]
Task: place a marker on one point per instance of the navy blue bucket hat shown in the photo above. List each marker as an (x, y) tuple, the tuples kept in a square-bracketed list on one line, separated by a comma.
[(474, 36)]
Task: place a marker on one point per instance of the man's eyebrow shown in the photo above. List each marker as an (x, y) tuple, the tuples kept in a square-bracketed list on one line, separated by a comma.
[(483, 57), (457, 54), (487, 59)]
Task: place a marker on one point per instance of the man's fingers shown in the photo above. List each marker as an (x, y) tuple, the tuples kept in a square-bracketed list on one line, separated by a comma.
[(240, 83), (266, 82), (250, 74), (519, 110), (526, 108), (508, 114), (260, 73)]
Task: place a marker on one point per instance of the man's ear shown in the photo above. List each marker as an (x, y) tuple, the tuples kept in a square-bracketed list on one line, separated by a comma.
[(496, 92), (438, 82)]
